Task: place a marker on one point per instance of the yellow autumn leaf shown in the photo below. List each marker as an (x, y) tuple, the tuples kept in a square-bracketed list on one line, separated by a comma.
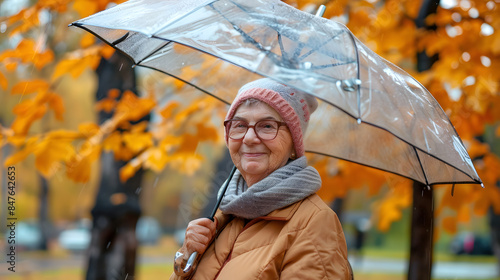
[(85, 7), (55, 103), (88, 129), (129, 170), (206, 133), (50, 155), (124, 153), (137, 141), (106, 51), (390, 213), (156, 159), (31, 86), (188, 144), (55, 5), (3, 81), (23, 122), (20, 155), (26, 52), (87, 40), (42, 59), (186, 163), (75, 66), (26, 19), (450, 225), (106, 105), (139, 127), (16, 140), (134, 108), (113, 142), (168, 110), (113, 93), (477, 148), (169, 142), (463, 214), (79, 167)]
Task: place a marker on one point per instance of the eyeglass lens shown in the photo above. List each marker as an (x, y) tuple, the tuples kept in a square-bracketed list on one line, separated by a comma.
[(265, 129)]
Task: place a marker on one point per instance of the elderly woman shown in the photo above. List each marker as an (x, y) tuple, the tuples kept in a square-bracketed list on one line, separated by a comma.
[(271, 224)]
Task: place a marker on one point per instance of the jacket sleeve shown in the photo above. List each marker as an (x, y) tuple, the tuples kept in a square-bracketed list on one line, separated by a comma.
[(317, 250)]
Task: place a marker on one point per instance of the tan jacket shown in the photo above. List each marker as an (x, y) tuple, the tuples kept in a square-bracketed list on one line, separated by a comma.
[(302, 241)]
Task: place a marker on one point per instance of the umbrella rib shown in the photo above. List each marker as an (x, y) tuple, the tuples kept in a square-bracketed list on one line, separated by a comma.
[(421, 166), (102, 39), (281, 34), (284, 55), (358, 74), (249, 38), (322, 44), (153, 53), (318, 67)]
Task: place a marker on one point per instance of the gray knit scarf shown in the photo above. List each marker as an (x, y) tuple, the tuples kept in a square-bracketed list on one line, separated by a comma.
[(285, 186)]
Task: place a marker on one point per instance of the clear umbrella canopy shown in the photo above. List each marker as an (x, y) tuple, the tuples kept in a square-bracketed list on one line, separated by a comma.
[(371, 112)]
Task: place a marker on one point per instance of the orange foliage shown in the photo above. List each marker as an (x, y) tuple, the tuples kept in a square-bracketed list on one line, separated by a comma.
[(27, 51), (34, 109), (3, 81)]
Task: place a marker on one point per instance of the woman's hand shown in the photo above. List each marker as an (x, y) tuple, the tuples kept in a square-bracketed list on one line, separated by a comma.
[(199, 234)]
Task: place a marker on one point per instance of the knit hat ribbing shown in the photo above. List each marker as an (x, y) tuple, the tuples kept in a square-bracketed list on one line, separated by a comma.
[(294, 106)]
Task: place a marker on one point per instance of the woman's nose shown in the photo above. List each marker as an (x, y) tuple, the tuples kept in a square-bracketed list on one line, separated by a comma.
[(251, 136)]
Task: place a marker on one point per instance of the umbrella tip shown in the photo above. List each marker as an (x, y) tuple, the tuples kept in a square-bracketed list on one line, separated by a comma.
[(321, 11), (359, 121), (482, 185)]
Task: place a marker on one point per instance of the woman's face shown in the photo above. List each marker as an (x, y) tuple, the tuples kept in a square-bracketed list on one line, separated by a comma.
[(255, 158)]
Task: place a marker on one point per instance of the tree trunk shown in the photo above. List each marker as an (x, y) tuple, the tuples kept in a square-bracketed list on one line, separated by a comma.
[(43, 213), (113, 247), (422, 223)]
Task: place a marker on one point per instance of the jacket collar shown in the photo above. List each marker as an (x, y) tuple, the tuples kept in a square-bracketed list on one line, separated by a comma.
[(284, 213)]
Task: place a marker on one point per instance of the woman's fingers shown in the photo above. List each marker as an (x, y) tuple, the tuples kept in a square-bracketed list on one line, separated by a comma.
[(199, 233)]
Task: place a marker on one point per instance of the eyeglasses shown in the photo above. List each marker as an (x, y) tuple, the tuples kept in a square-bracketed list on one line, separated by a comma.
[(264, 129)]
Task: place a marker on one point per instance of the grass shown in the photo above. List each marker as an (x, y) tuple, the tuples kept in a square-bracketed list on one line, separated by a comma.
[(374, 252)]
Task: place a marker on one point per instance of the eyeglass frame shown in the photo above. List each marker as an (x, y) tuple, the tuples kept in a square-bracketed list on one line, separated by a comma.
[(280, 124)]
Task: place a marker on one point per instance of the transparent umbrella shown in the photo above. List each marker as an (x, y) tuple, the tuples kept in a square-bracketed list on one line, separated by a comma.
[(371, 112)]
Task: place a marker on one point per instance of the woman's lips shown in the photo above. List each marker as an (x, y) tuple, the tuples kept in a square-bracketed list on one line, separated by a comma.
[(252, 155)]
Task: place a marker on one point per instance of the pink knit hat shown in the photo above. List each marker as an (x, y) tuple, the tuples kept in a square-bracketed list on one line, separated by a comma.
[(294, 106)]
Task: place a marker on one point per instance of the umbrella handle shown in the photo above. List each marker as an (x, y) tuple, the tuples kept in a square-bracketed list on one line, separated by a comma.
[(193, 256), (190, 262)]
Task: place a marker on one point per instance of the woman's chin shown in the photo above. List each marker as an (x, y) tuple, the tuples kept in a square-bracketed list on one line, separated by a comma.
[(253, 168)]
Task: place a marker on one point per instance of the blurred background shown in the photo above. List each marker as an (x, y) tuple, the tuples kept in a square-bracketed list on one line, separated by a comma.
[(111, 163)]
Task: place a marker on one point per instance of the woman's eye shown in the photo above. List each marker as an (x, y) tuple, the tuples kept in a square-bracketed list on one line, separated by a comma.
[(267, 125), (240, 125)]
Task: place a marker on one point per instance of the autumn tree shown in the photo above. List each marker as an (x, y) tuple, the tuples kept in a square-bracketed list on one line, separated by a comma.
[(44, 54), (463, 80)]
